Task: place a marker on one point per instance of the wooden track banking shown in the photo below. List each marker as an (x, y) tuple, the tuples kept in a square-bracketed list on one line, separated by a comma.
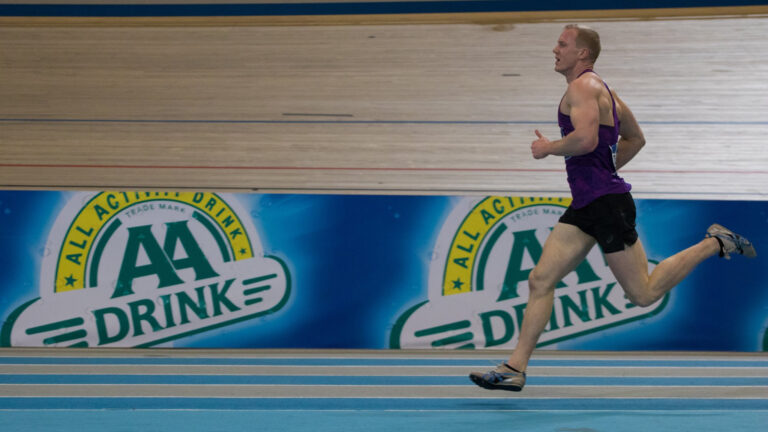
[(360, 107)]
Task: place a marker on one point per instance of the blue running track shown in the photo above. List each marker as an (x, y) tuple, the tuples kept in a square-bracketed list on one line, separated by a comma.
[(50, 390)]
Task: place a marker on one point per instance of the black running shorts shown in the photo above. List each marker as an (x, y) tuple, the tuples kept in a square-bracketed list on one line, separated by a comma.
[(610, 219)]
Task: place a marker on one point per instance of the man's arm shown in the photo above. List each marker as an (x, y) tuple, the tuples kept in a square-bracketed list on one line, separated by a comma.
[(632, 139), (585, 116)]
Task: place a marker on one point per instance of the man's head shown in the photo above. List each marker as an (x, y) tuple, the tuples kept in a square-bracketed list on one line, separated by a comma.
[(576, 46)]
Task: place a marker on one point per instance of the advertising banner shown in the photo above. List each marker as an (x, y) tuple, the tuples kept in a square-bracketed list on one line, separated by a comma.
[(199, 269)]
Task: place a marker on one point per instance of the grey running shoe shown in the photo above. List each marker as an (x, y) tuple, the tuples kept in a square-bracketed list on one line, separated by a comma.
[(504, 377), (730, 242)]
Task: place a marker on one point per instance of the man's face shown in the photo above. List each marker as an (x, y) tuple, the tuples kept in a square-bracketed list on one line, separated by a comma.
[(566, 52)]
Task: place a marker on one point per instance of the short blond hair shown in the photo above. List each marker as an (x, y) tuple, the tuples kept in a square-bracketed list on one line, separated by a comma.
[(587, 38)]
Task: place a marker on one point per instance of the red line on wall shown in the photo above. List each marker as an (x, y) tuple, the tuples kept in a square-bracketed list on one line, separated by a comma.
[(337, 168)]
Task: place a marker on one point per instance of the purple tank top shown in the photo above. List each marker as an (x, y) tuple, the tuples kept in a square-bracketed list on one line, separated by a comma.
[(593, 175)]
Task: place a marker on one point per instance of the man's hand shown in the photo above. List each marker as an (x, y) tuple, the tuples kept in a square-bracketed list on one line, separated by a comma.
[(540, 147)]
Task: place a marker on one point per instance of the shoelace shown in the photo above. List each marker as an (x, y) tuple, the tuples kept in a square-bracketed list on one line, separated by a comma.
[(494, 377)]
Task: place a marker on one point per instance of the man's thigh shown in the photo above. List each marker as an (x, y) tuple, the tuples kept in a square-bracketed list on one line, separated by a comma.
[(630, 266), (565, 248)]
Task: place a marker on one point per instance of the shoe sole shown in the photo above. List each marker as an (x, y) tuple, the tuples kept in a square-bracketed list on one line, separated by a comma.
[(488, 386)]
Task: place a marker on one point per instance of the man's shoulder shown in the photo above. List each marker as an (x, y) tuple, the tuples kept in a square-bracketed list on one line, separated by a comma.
[(588, 82), (585, 86)]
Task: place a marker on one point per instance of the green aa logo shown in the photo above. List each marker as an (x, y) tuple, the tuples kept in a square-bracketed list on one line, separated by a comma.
[(148, 268), (161, 259)]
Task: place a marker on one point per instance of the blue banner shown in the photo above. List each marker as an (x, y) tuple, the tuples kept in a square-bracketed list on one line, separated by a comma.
[(198, 269)]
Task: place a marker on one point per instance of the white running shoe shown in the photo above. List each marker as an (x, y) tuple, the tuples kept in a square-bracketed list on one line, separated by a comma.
[(730, 242)]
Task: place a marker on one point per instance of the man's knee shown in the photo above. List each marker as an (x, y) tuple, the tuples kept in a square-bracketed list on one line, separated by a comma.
[(641, 299), (539, 284)]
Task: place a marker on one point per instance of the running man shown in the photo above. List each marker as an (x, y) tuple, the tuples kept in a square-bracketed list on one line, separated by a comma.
[(599, 136)]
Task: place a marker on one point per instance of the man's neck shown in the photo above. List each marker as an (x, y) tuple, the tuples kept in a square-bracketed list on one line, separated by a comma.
[(576, 71)]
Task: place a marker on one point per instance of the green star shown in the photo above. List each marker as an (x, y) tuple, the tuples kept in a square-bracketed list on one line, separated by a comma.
[(457, 283), (242, 251), (70, 280)]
